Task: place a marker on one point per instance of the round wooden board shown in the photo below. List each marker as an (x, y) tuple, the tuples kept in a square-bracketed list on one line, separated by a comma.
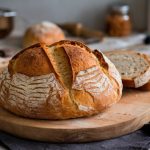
[(130, 114)]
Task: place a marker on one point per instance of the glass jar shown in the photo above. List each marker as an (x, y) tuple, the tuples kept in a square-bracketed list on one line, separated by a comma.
[(118, 21), (6, 22)]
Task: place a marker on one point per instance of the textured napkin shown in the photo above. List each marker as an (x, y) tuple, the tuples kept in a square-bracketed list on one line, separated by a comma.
[(139, 140)]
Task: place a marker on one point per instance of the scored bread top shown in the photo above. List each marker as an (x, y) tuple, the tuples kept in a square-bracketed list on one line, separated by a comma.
[(134, 67), (78, 55), (32, 61), (59, 81)]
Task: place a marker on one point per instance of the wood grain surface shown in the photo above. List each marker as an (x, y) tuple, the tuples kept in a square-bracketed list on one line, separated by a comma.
[(130, 114)]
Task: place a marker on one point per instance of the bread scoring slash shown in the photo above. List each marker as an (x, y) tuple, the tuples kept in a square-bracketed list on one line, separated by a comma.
[(59, 81)]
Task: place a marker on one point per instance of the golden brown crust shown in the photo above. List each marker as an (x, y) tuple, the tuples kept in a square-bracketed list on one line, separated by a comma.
[(59, 81), (128, 83), (146, 87), (31, 62), (114, 76), (44, 33)]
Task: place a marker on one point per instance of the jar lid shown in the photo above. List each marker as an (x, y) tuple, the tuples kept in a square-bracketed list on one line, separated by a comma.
[(120, 8), (4, 12)]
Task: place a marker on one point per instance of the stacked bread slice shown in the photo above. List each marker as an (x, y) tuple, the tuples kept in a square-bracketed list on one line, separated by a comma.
[(134, 68)]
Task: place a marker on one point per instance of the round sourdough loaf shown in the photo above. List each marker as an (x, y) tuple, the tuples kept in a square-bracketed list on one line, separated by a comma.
[(45, 32), (59, 81)]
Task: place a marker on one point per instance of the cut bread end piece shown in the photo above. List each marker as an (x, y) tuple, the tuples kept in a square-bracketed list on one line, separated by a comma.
[(146, 87), (134, 67)]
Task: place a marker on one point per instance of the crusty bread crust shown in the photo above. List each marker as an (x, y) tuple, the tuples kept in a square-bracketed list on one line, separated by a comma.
[(69, 81), (31, 62), (137, 81), (146, 87), (46, 32)]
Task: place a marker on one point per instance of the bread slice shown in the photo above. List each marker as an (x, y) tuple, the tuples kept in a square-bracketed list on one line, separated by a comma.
[(134, 67), (146, 87)]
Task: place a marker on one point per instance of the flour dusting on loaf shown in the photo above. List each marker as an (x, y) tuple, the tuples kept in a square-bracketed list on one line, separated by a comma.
[(44, 32), (59, 81), (84, 108), (30, 93), (45, 27), (91, 80), (112, 69)]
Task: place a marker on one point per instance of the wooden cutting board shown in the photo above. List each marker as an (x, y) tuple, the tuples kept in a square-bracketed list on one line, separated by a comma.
[(130, 114)]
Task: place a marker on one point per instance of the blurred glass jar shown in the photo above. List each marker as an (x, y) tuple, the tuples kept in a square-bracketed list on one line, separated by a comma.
[(6, 22), (118, 21)]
